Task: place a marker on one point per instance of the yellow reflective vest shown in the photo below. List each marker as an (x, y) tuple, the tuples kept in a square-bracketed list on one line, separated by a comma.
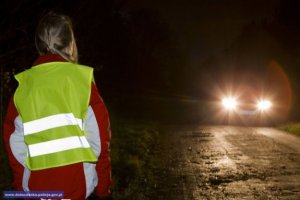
[(52, 100)]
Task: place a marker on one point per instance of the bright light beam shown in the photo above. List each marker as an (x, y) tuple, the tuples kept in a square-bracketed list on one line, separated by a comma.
[(229, 103), (264, 105)]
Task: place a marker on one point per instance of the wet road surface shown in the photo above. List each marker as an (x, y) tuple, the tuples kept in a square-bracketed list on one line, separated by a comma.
[(228, 162)]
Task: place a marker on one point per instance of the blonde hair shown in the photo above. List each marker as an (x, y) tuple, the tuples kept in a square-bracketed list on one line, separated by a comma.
[(54, 34)]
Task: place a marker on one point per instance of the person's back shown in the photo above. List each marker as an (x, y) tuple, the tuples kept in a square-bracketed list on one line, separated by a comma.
[(56, 129)]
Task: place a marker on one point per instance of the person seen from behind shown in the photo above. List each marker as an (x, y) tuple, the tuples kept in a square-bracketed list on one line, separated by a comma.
[(57, 129)]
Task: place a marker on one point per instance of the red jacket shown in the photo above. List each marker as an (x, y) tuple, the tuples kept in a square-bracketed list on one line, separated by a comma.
[(78, 180)]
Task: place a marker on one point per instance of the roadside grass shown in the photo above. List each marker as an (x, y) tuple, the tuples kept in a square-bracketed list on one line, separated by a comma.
[(133, 148), (292, 127)]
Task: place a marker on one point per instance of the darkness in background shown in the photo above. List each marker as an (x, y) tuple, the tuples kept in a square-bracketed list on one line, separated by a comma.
[(148, 58)]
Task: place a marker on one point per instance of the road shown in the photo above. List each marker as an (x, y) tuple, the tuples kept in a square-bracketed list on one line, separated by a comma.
[(229, 162)]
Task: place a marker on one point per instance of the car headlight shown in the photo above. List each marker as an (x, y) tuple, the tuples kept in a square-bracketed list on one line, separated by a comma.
[(229, 103), (264, 105)]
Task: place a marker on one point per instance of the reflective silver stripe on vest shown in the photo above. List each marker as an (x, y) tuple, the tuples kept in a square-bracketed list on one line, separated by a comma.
[(57, 145), (50, 122)]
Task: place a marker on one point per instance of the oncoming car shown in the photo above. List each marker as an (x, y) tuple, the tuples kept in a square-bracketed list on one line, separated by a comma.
[(249, 106), (231, 104), (249, 94), (246, 110)]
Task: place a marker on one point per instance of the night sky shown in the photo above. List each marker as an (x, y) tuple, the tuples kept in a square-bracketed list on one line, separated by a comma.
[(182, 47), (207, 27)]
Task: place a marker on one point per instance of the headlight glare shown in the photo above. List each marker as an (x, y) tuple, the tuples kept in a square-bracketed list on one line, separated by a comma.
[(229, 103), (264, 105)]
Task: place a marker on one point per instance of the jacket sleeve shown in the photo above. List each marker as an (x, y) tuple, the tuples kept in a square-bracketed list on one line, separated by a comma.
[(103, 165), (14, 144)]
